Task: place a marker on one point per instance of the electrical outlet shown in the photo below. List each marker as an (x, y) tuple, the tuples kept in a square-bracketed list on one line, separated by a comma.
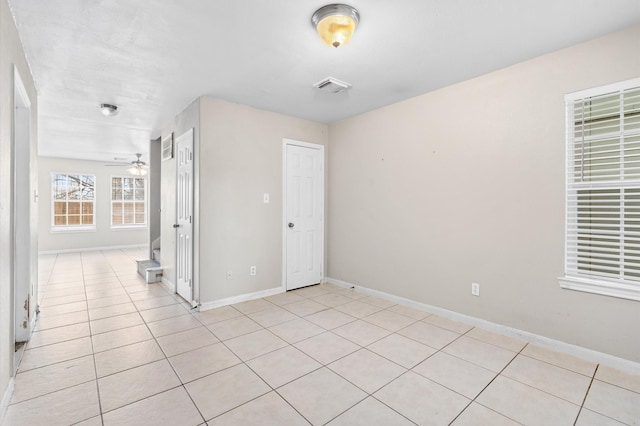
[(265, 198), (229, 275), (252, 270), (475, 289)]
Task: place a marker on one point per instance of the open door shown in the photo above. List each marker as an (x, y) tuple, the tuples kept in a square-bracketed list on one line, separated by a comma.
[(184, 215)]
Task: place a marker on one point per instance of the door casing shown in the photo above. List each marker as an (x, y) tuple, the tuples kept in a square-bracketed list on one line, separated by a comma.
[(24, 286)]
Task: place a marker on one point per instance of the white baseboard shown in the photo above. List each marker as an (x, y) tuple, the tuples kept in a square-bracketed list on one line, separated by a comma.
[(344, 284), (241, 298), (74, 250), (168, 285), (556, 345), (6, 398)]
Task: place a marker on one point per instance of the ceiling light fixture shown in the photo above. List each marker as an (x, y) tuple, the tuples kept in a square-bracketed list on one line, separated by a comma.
[(108, 109), (137, 171), (335, 23)]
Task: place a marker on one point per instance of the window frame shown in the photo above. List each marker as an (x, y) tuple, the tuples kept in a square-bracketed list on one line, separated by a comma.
[(619, 288), (72, 228), (123, 226)]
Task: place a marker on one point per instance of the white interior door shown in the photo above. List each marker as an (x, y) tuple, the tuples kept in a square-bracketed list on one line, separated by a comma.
[(304, 211), (184, 215), (23, 280)]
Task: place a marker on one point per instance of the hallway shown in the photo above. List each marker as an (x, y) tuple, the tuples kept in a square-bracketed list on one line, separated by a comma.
[(110, 349)]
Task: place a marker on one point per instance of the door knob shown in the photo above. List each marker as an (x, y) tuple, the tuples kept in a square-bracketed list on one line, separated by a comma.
[(176, 225), (291, 225)]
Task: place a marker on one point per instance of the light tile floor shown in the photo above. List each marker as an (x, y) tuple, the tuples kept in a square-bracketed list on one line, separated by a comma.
[(109, 349)]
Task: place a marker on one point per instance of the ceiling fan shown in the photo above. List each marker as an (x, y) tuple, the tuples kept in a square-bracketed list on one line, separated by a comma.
[(137, 166)]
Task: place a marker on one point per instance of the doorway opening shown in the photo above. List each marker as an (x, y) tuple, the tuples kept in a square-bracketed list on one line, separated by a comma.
[(23, 239)]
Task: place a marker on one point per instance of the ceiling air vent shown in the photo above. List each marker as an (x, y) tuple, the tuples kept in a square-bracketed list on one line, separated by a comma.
[(331, 85)]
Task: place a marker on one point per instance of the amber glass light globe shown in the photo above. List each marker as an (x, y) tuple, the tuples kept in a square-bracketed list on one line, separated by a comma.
[(335, 23), (336, 31)]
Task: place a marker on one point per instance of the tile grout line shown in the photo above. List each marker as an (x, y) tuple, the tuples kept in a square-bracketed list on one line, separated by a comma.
[(586, 394), (91, 339), (52, 364), (368, 395), (330, 330), (489, 384), (166, 358), (322, 365), (93, 353), (254, 372)]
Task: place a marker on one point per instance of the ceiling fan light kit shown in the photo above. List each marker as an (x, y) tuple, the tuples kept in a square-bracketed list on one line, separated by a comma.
[(137, 171), (137, 167), (335, 23)]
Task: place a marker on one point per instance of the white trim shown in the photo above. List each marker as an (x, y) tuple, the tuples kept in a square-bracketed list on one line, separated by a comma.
[(111, 201), (345, 284), (127, 227), (620, 290), (241, 298), (168, 285), (557, 345), (72, 229), (34, 320), (6, 398), (53, 228), (284, 215), (574, 278), (320, 148), (23, 281), (73, 250), (19, 86), (597, 91)]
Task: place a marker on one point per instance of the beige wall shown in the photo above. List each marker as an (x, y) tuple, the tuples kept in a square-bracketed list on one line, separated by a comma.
[(466, 184), (240, 160), (11, 53), (104, 236)]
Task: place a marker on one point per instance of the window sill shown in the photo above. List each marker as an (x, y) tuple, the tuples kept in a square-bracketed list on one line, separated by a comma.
[(72, 230), (605, 288), (127, 227)]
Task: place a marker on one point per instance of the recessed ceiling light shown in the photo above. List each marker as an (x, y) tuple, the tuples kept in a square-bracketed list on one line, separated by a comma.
[(108, 109)]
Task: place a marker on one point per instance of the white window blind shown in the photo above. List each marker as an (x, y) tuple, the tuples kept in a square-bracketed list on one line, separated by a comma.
[(128, 201), (603, 191)]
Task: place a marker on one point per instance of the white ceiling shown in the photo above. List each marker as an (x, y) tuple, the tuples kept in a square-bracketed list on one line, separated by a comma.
[(152, 58)]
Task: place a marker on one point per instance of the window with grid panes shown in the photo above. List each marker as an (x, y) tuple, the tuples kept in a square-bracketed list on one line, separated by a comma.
[(73, 201), (602, 247), (128, 201)]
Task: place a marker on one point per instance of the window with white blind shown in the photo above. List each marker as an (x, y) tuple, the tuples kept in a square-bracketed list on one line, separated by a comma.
[(603, 191), (128, 201), (72, 202)]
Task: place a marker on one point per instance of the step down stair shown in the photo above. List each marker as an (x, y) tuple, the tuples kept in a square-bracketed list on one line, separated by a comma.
[(150, 270)]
